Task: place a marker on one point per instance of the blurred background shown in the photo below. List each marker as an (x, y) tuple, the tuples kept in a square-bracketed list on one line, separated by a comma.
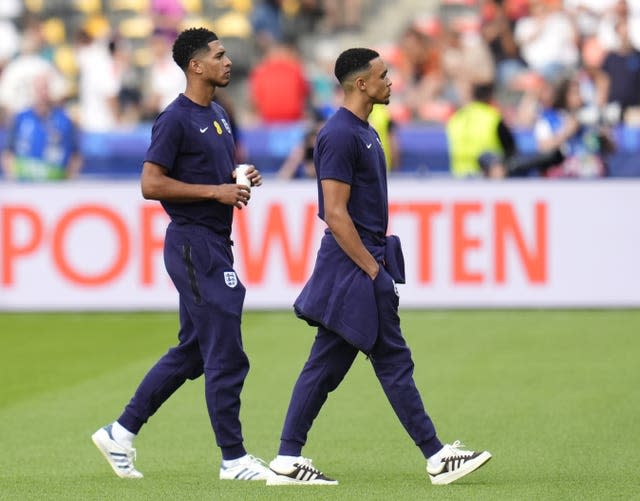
[(540, 63)]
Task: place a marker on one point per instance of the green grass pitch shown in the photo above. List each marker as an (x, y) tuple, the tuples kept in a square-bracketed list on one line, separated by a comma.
[(554, 395)]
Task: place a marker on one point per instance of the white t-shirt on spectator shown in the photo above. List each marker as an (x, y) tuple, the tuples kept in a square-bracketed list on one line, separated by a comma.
[(554, 44), (16, 82), (588, 21), (167, 80), (98, 85)]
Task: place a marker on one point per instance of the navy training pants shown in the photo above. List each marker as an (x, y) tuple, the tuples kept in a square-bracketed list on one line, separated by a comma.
[(200, 264), (329, 361)]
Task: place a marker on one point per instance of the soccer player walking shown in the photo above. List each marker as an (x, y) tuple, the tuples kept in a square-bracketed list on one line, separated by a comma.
[(351, 296), (189, 168)]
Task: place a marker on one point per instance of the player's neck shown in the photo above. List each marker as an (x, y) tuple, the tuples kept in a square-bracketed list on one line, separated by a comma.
[(200, 94), (359, 108)]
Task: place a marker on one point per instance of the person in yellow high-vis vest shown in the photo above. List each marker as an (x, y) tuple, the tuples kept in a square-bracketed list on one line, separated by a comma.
[(477, 129), (381, 120)]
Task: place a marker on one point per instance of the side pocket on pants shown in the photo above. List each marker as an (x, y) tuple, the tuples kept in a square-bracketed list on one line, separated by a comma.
[(191, 273)]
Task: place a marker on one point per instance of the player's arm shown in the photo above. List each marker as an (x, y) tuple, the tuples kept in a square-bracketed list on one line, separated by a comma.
[(157, 185), (336, 196)]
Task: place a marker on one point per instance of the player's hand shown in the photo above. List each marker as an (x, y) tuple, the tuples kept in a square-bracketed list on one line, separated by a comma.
[(237, 195), (254, 176)]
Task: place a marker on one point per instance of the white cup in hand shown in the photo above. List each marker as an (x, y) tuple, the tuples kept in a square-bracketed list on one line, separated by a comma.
[(241, 175)]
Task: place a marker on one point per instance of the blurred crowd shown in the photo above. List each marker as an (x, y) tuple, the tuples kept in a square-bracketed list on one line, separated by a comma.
[(567, 69)]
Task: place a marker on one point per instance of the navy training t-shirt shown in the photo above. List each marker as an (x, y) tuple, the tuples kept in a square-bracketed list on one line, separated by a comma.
[(349, 150), (195, 144)]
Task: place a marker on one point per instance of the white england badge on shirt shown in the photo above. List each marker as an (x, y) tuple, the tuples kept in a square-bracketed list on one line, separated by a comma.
[(230, 278)]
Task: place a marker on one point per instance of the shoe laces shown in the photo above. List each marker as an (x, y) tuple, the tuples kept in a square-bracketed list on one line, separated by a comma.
[(306, 464), (454, 450), (257, 461)]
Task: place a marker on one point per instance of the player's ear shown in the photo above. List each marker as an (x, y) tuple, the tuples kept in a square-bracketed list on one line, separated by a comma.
[(195, 65)]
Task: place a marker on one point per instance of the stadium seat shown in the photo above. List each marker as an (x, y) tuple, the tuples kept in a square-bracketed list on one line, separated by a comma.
[(136, 27), (54, 31), (88, 7), (192, 6), (65, 60), (140, 6), (34, 6), (196, 21), (232, 24), (142, 57), (243, 6)]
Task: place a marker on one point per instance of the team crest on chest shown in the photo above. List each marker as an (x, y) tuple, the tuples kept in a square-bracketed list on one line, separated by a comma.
[(218, 128), (226, 125), (230, 278)]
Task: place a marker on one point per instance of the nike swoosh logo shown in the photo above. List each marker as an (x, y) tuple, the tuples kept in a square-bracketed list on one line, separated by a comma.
[(368, 145), (202, 131)]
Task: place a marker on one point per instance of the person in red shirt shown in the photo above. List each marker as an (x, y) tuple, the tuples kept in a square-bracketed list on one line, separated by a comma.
[(278, 87)]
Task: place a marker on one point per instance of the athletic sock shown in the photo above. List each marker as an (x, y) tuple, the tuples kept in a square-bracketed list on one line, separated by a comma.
[(435, 460), (230, 463), (121, 435), (285, 461)]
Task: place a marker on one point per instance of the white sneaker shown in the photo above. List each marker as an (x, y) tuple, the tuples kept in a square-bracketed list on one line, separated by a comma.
[(248, 468), (301, 472), (456, 463), (120, 458)]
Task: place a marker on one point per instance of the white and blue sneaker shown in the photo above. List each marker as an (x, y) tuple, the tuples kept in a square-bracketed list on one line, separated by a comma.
[(120, 458), (455, 463), (300, 471), (247, 467)]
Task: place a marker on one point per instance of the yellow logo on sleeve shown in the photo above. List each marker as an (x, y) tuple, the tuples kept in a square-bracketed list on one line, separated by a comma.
[(218, 128)]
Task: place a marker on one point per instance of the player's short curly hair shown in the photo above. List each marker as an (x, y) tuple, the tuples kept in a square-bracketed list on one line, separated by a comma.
[(189, 43), (352, 61)]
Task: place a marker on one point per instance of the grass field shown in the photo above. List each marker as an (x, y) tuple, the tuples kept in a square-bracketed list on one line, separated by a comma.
[(554, 395)]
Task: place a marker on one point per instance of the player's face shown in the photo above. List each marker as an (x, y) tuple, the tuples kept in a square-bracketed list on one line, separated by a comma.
[(378, 82), (216, 65)]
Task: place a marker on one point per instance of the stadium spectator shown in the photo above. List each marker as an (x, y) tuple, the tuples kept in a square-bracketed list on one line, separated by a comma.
[(17, 79), (129, 95), (310, 13), (351, 296), (477, 129), (622, 9), (497, 31), (223, 98), (381, 120), (299, 163), (42, 141), (481, 143), (582, 138), (466, 59), (586, 14), (268, 23), (415, 63), (342, 15), (622, 66), (98, 81), (189, 168), (547, 39), (10, 41), (325, 94), (278, 87), (167, 14), (163, 80), (11, 9)]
